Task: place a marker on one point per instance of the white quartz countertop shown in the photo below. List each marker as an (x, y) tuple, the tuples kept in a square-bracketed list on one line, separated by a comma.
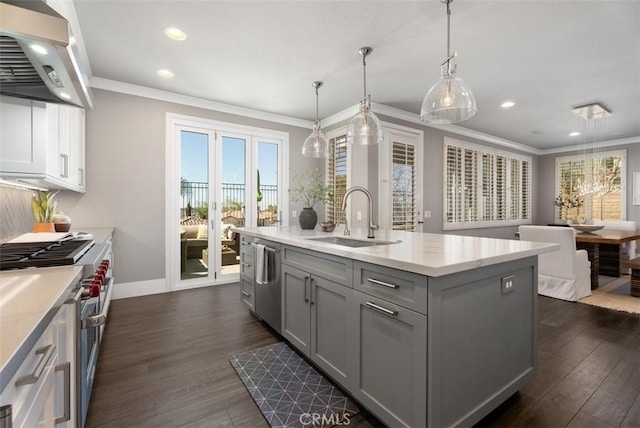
[(29, 299), (423, 253)]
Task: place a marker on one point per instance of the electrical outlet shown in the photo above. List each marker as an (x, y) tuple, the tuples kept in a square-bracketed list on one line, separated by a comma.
[(507, 284), (359, 215), (427, 214), (294, 213)]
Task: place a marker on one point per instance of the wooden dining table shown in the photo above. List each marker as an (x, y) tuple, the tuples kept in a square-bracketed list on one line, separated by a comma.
[(604, 250)]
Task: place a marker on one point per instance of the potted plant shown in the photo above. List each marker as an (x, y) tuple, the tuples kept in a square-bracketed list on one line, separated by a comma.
[(43, 208), (309, 188)]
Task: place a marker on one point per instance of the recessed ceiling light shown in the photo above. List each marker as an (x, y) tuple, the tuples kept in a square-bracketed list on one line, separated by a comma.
[(507, 104), (574, 134), (167, 74), (175, 33), (65, 95), (38, 49)]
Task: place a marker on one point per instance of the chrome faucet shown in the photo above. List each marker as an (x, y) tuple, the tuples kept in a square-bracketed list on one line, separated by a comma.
[(372, 225)]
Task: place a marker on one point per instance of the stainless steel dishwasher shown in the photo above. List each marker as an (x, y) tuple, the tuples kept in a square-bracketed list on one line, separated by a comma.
[(267, 292)]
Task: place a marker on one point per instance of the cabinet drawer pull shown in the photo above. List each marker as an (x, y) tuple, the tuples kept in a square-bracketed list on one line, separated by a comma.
[(46, 352), (381, 309), (306, 290), (66, 416), (385, 284), (245, 294), (245, 264), (65, 165)]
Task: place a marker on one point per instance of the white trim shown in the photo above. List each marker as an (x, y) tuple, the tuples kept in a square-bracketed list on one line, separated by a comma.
[(172, 97), (139, 288), (161, 95)]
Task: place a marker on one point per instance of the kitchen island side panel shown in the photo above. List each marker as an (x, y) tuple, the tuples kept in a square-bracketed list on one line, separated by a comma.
[(482, 340)]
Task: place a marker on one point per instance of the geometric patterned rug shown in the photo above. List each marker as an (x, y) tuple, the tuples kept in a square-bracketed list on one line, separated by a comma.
[(288, 391)]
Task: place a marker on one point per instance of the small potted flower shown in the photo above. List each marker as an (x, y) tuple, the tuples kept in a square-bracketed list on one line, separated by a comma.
[(43, 208), (309, 188)]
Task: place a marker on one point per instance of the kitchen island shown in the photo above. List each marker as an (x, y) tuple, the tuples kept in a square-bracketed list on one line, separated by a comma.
[(422, 329)]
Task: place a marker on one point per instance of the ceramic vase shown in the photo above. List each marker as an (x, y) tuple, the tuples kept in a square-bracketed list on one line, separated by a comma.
[(308, 218)]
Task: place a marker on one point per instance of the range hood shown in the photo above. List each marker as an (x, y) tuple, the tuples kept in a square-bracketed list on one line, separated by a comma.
[(38, 56)]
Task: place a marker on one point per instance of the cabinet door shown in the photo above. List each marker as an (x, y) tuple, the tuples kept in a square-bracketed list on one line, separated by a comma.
[(296, 318), (22, 136), (76, 147), (330, 327), (390, 348)]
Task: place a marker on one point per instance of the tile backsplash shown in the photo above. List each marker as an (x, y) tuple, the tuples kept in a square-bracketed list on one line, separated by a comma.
[(15, 211)]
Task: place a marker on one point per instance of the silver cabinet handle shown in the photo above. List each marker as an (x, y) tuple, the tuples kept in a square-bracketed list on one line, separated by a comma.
[(81, 176), (381, 309), (385, 284), (65, 165), (245, 294), (246, 264), (306, 292), (66, 416), (46, 352), (312, 291)]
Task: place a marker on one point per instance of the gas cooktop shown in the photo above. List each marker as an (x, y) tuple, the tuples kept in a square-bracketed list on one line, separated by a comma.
[(42, 254)]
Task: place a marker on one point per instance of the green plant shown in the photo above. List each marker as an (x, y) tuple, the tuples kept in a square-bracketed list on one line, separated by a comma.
[(309, 188), (43, 206)]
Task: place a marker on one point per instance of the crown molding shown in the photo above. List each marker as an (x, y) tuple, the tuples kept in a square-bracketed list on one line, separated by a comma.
[(172, 97)]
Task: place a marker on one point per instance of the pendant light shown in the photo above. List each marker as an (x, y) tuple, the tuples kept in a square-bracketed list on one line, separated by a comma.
[(316, 145), (450, 100), (365, 127)]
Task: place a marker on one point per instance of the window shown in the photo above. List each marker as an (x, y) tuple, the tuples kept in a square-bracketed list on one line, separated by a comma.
[(606, 170), (485, 187), (337, 176), (403, 186)]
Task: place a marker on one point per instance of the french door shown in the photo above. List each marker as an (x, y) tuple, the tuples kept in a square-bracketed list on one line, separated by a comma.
[(219, 175)]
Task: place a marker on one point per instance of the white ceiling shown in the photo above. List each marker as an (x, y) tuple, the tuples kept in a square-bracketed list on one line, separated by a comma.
[(547, 56)]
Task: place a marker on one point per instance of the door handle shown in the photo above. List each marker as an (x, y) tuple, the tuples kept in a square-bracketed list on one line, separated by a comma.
[(306, 292)]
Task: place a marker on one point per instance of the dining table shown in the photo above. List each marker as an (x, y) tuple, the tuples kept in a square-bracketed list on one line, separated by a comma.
[(604, 250)]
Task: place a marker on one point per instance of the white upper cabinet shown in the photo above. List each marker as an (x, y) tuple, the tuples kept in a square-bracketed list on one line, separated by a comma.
[(42, 144)]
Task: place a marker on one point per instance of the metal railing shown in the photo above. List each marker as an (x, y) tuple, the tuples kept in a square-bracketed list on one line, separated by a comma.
[(195, 201)]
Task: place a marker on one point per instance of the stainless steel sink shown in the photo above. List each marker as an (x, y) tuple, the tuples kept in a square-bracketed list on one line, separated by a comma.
[(351, 242)]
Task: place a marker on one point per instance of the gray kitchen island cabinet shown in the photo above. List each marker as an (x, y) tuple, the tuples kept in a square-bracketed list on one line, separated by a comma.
[(431, 331), (316, 320)]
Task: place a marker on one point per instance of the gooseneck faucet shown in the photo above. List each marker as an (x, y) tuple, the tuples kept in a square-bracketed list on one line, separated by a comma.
[(372, 225)]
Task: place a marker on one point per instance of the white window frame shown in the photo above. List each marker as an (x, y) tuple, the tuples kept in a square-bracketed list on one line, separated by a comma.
[(480, 150), (586, 211), (335, 133)]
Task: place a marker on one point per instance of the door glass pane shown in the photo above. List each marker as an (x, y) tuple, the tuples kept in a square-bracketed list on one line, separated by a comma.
[(194, 210), (234, 189), (268, 194)]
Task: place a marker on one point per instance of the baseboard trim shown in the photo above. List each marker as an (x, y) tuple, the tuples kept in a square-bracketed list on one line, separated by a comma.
[(139, 288)]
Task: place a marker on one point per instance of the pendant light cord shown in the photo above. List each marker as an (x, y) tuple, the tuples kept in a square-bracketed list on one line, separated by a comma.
[(317, 120), (448, 29)]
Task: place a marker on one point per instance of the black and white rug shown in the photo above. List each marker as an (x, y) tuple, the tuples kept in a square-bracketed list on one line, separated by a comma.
[(288, 391)]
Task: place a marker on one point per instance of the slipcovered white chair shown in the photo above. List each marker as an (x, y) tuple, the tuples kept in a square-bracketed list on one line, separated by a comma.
[(628, 249), (563, 274)]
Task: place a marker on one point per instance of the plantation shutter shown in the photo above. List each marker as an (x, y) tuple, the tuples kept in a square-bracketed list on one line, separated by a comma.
[(488, 187), (403, 186), (514, 189), (526, 191), (336, 177), (470, 194), (501, 188), (453, 184)]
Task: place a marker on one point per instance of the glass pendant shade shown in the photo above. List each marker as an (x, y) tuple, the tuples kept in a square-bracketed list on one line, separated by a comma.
[(448, 101), (316, 144), (365, 127)]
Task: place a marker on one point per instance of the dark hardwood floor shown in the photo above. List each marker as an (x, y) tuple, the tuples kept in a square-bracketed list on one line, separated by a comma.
[(164, 363)]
